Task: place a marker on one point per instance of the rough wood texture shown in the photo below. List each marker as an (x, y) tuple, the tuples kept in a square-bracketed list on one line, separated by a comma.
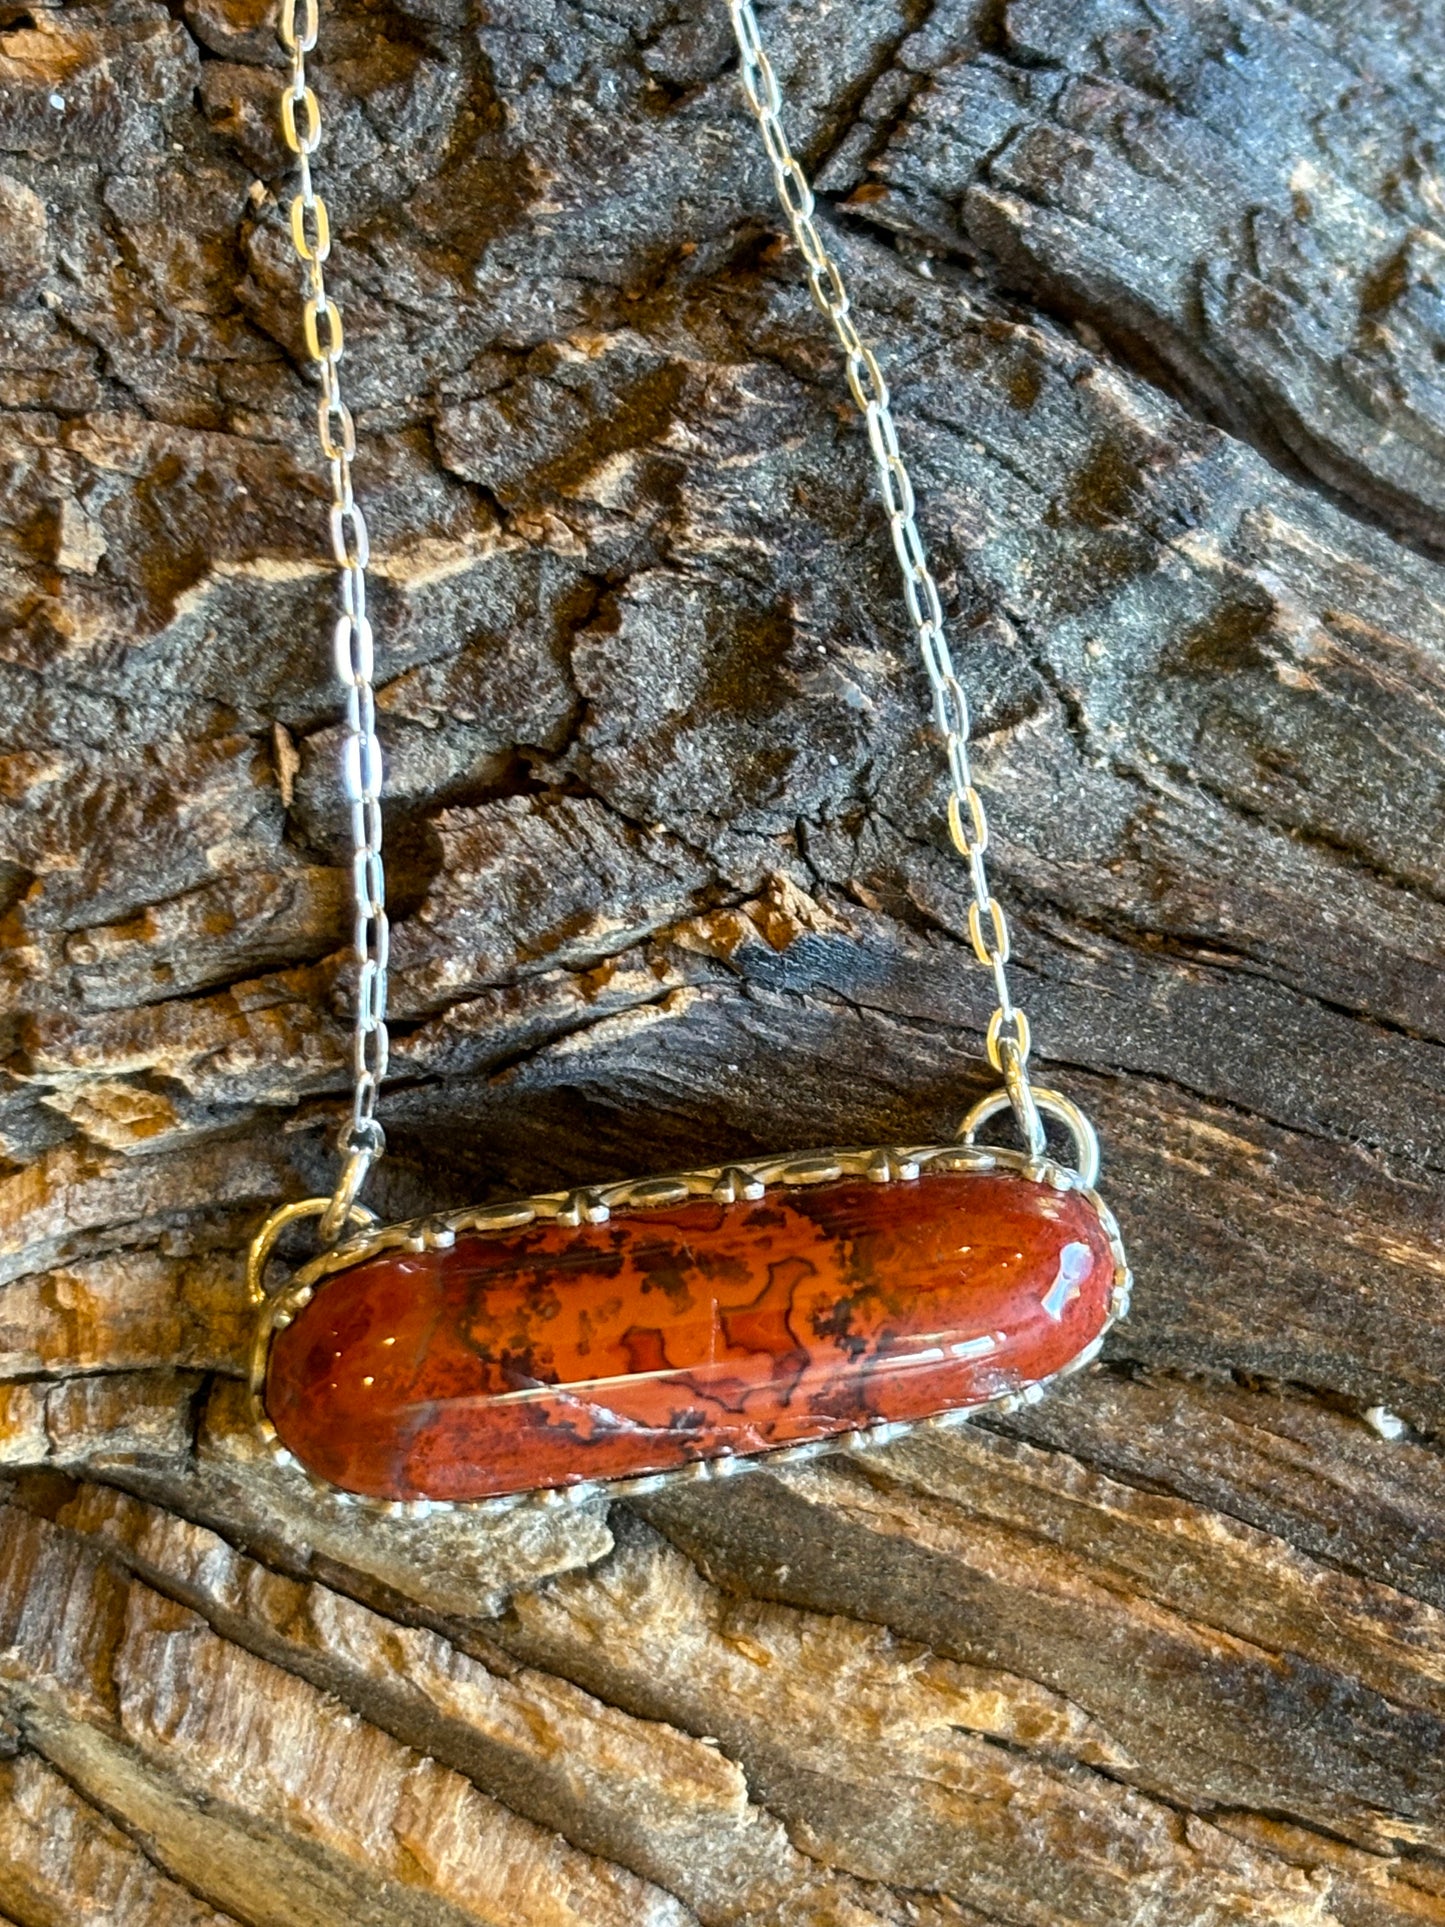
[(1162, 284)]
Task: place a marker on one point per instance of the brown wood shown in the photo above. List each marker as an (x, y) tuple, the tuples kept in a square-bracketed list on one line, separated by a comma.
[(1160, 288)]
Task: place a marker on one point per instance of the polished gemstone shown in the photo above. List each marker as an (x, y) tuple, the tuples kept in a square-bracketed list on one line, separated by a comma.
[(553, 1354)]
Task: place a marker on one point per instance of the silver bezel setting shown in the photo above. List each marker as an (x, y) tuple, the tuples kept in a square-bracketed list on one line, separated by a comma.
[(594, 1204)]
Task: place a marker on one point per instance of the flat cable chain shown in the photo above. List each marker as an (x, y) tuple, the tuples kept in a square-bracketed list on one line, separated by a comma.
[(1008, 1036), (362, 1140)]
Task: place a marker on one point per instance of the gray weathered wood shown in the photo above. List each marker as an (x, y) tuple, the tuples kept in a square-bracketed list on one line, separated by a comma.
[(1159, 287)]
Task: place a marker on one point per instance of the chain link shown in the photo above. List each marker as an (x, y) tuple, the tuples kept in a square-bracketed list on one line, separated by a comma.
[(362, 1141), (1008, 1037)]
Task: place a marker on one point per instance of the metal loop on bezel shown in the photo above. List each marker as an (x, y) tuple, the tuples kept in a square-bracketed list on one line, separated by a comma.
[(1052, 1104), (264, 1242)]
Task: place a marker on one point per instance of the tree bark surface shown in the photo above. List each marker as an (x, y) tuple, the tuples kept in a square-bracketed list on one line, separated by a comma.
[(1160, 290)]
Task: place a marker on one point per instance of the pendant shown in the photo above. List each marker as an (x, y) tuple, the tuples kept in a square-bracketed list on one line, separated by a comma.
[(616, 1337)]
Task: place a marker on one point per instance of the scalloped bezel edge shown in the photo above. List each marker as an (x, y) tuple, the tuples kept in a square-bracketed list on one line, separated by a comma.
[(744, 1179)]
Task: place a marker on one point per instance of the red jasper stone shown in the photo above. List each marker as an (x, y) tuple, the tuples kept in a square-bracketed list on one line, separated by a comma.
[(552, 1354)]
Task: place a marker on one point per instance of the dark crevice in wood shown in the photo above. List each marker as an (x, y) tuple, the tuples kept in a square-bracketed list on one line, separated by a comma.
[(643, 1705), (137, 1837), (1145, 355), (407, 1719), (1144, 359)]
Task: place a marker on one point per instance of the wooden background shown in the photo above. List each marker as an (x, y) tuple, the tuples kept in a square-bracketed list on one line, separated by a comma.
[(1162, 288)]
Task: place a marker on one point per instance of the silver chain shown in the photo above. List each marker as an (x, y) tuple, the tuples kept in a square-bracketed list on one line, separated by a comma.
[(362, 1141), (1008, 1035)]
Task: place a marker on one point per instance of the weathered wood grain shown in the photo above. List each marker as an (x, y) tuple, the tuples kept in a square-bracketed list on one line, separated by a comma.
[(1159, 291)]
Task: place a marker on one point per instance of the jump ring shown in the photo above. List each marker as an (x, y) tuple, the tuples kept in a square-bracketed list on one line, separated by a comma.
[(1063, 1110), (264, 1242)]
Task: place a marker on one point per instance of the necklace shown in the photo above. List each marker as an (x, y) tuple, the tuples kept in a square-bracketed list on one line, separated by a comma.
[(618, 1335)]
